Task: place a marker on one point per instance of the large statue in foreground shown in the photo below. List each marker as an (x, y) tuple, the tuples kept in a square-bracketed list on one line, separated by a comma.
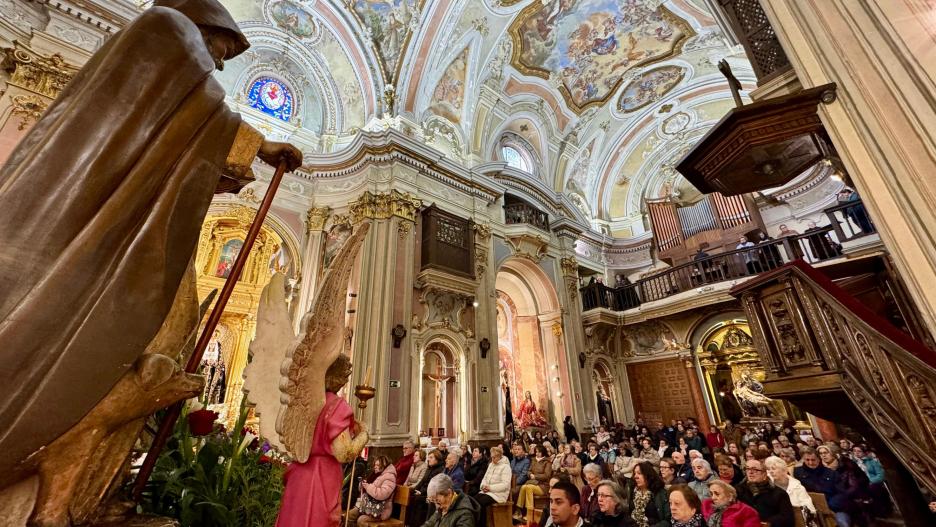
[(294, 381), (100, 209)]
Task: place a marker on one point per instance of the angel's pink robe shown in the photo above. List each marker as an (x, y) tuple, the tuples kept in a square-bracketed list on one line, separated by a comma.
[(313, 488)]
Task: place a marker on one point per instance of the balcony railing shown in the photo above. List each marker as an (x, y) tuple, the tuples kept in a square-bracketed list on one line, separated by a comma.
[(522, 213), (814, 246), (850, 220)]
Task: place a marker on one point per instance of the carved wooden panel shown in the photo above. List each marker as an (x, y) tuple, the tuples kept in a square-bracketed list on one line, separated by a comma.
[(889, 376), (447, 242), (661, 388)]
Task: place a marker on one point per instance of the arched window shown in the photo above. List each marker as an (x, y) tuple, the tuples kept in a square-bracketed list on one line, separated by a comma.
[(514, 158), (271, 97)]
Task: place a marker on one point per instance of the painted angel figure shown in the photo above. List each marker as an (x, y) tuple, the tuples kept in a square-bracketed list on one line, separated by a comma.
[(294, 382)]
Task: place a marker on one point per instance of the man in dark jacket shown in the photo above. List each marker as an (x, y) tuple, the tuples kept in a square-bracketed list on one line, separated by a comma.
[(771, 503), (452, 508)]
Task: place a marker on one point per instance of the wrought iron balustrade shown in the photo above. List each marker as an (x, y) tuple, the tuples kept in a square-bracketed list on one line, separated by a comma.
[(813, 246), (523, 213), (850, 220)]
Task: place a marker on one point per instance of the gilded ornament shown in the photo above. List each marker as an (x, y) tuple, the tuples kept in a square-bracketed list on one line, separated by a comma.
[(316, 218), (29, 108), (45, 76), (569, 266)]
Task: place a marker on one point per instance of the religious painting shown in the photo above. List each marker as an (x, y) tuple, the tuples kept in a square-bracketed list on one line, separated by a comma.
[(334, 240), (589, 44), (293, 18), (578, 174), (649, 87), (448, 98), (280, 261), (271, 97), (228, 255), (390, 24)]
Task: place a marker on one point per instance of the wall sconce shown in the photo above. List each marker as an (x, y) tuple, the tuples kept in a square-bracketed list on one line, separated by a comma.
[(398, 332), (582, 359), (485, 346)]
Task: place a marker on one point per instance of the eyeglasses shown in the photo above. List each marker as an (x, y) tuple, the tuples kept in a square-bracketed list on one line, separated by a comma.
[(600, 495), (752, 469)]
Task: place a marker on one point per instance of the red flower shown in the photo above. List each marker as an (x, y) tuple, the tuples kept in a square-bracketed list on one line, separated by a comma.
[(264, 460), (201, 422)]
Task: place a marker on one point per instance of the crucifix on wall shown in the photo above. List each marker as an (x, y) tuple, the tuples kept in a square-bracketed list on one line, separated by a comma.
[(440, 377)]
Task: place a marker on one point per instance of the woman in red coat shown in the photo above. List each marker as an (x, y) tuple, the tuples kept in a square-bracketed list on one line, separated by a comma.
[(724, 510)]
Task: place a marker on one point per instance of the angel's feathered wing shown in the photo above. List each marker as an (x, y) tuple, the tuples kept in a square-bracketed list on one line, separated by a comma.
[(268, 350), (303, 371)]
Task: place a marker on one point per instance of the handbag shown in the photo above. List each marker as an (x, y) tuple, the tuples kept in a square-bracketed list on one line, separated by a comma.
[(370, 506)]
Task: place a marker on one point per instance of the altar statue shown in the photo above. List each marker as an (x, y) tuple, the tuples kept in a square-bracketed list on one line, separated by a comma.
[(529, 415), (294, 381), (101, 204), (215, 372), (750, 395)]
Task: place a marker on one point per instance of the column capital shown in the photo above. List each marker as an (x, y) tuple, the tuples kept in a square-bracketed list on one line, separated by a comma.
[(316, 218)]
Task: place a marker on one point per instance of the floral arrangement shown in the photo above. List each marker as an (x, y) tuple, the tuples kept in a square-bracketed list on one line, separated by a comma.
[(208, 476)]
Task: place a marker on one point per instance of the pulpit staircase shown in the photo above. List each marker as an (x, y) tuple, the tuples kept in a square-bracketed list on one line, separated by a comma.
[(828, 353)]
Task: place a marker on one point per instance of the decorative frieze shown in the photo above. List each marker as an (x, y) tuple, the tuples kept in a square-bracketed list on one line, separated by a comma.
[(383, 206), (28, 108)]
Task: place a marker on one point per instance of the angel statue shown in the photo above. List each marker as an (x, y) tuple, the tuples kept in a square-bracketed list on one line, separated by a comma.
[(750, 395), (294, 382)]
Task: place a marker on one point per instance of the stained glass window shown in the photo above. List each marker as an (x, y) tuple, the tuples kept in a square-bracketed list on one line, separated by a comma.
[(271, 97), (514, 158)]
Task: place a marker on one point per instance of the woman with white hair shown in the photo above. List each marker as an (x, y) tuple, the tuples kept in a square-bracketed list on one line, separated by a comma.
[(495, 487), (702, 472), (777, 470), (589, 503), (452, 508)]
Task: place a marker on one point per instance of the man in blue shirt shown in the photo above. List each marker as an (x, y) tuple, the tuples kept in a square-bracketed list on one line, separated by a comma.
[(520, 466)]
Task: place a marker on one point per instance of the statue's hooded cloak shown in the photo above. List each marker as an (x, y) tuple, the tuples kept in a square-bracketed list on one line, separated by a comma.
[(100, 209)]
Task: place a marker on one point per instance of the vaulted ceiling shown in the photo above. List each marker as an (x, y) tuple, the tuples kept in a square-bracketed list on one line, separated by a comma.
[(607, 94)]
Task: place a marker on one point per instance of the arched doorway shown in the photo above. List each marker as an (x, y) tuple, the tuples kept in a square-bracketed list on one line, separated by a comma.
[(534, 384), (603, 382), (439, 415)]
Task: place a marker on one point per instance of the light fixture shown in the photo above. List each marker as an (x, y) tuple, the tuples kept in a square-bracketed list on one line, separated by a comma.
[(475, 303)]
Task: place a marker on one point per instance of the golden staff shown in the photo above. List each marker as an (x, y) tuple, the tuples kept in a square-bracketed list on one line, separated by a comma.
[(364, 393)]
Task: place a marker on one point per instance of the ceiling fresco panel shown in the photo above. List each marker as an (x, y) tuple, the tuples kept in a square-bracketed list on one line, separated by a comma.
[(389, 24), (585, 46)]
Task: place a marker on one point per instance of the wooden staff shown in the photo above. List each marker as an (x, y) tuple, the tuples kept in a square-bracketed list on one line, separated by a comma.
[(165, 428), (364, 392)]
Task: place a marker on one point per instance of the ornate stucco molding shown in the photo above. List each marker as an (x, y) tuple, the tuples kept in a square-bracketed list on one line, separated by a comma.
[(46, 76), (528, 245), (28, 108), (316, 218), (383, 206)]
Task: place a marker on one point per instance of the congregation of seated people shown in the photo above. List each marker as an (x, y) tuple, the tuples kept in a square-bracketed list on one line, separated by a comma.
[(635, 476)]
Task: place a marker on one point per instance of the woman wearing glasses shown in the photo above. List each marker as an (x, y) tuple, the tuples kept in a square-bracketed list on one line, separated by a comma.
[(612, 506)]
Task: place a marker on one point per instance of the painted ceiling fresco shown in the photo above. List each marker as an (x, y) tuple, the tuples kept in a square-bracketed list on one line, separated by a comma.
[(586, 46), (389, 23), (649, 87), (448, 97), (605, 92)]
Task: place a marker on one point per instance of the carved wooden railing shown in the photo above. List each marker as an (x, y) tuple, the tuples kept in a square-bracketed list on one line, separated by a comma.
[(753, 30), (850, 220), (814, 338)]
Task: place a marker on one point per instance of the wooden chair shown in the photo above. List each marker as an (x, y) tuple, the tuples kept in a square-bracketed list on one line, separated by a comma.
[(798, 520), (401, 497), (825, 514)]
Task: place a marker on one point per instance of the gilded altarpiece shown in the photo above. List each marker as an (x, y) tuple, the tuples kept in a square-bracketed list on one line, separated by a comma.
[(221, 238), (732, 369)]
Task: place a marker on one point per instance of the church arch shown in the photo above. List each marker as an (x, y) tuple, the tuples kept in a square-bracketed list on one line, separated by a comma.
[(531, 350), (439, 384)]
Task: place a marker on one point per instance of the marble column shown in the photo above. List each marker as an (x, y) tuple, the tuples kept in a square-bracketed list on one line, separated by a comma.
[(881, 56), (485, 407), (311, 258), (695, 390)]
